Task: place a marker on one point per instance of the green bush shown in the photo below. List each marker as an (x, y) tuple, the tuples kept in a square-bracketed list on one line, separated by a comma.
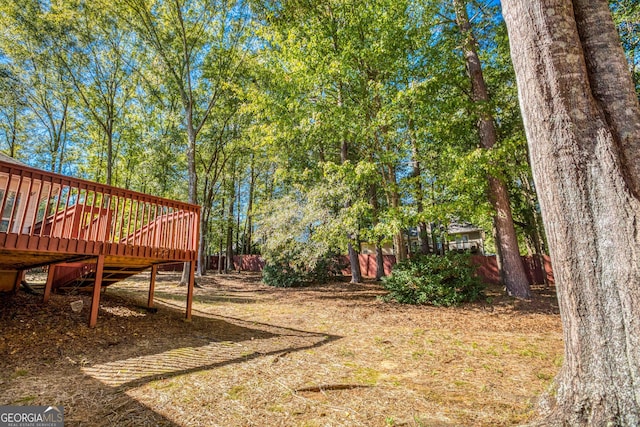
[(438, 280), (282, 275), (287, 273)]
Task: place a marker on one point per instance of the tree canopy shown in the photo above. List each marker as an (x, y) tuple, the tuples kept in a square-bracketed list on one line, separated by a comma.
[(241, 105)]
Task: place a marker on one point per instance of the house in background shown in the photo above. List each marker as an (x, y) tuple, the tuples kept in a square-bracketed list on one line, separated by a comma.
[(460, 237), (465, 237), (89, 235)]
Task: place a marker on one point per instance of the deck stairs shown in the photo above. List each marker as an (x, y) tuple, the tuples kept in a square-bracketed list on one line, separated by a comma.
[(80, 276)]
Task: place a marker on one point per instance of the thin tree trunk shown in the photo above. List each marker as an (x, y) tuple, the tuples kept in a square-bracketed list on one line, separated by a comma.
[(221, 246), (14, 133), (230, 220), (379, 261), (582, 120), (512, 269), (238, 211), (201, 266), (535, 231), (354, 258), (191, 172), (398, 238), (249, 221), (416, 175), (375, 207)]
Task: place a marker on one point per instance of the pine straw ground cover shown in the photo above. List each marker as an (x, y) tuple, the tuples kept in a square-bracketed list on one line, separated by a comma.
[(331, 355)]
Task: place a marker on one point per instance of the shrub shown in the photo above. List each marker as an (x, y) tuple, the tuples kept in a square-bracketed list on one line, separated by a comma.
[(438, 280), (282, 275), (288, 272)]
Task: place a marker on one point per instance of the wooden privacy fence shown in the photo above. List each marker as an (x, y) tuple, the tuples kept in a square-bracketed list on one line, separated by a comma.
[(537, 269)]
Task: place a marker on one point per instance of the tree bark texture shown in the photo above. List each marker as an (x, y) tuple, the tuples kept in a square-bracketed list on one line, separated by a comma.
[(416, 174), (375, 207), (193, 176), (582, 121), (512, 270), (379, 261), (354, 259)]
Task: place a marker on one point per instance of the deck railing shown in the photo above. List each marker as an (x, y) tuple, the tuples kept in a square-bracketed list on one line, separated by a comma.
[(37, 203)]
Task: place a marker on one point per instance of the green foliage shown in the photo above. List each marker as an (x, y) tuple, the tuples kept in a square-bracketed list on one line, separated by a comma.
[(626, 15), (288, 272), (438, 280), (282, 273)]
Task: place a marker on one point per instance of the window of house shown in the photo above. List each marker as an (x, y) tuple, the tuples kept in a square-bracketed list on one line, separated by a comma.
[(462, 242)]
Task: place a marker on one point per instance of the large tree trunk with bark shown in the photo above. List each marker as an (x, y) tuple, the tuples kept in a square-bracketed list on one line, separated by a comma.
[(511, 267), (582, 121)]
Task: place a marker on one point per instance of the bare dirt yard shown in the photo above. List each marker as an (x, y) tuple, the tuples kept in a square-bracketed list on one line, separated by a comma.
[(330, 355)]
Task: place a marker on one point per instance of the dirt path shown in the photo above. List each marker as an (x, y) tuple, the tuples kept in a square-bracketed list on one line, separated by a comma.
[(333, 355)]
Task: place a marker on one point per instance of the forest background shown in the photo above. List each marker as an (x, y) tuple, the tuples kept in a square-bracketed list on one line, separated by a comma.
[(302, 128)]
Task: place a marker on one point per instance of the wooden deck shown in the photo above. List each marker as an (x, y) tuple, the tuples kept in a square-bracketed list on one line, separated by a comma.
[(49, 219)]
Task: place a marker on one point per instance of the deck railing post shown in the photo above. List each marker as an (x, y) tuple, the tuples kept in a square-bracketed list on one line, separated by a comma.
[(16, 199), (6, 194), (26, 206), (34, 219), (59, 209), (46, 207)]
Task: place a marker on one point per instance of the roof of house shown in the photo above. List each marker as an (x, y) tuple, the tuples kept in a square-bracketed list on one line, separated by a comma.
[(10, 159), (458, 228)]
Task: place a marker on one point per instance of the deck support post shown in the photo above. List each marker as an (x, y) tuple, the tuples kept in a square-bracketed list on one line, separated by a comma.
[(18, 282), (97, 286), (190, 286), (152, 284), (47, 287)]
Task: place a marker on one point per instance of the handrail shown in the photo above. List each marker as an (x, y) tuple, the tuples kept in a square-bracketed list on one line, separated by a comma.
[(38, 203)]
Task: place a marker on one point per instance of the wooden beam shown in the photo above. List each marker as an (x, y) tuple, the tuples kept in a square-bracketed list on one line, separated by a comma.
[(191, 285), (49, 284), (95, 300), (152, 284), (18, 282)]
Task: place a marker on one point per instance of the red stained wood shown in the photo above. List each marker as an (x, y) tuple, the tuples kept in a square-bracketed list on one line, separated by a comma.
[(56, 219), (97, 287)]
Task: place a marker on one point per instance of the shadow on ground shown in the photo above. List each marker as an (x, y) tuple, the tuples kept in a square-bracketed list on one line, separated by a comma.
[(49, 356)]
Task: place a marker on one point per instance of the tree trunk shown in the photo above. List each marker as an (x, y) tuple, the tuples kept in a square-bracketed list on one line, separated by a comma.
[(379, 261), (512, 271), (375, 207), (535, 232), (354, 259), (220, 247), (109, 158), (582, 121), (230, 220), (416, 175), (201, 266), (248, 233), (193, 177)]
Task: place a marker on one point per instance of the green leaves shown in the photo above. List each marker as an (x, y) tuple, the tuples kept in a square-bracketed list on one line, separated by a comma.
[(437, 280)]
